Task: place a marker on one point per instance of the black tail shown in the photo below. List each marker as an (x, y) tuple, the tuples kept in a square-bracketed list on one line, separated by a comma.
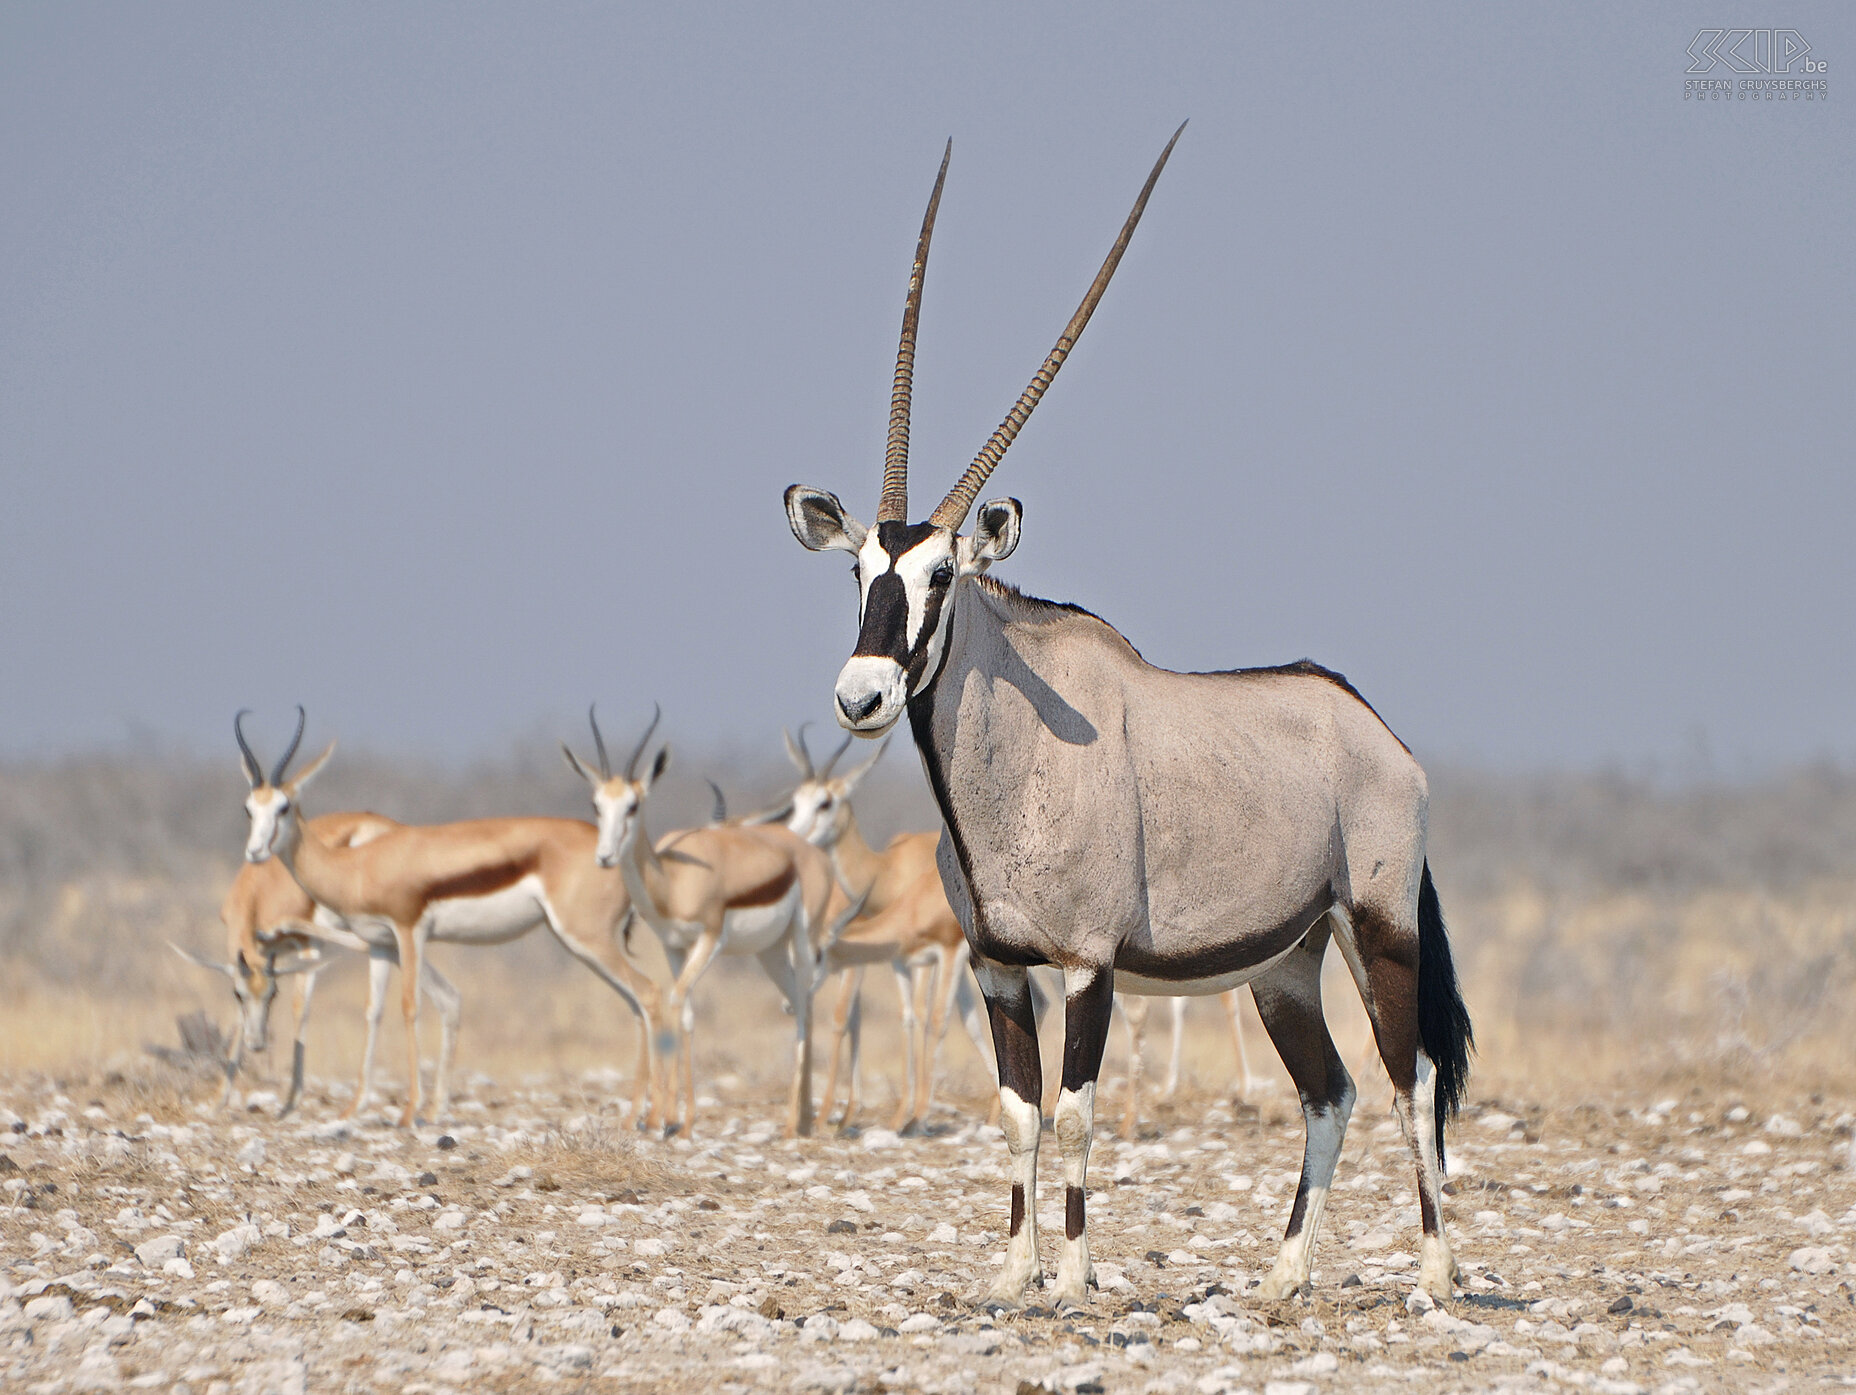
[(1443, 1020)]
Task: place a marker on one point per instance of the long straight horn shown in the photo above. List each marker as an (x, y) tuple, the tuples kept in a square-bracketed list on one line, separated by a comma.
[(254, 769), (894, 506), (599, 742), (954, 508), (631, 766), (283, 763)]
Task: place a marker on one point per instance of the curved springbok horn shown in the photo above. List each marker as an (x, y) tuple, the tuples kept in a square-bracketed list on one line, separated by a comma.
[(283, 763), (718, 808), (631, 766), (599, 742), (954, 508), (254, 769), (836, 755), (799, 753), (894, 506)]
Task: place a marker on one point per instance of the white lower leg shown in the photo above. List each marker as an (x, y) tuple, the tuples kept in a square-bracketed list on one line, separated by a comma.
[(1327, 1128), (377, 971), (1437, 1271), (1021, 1122), (448, 1001), (1075, 1127)]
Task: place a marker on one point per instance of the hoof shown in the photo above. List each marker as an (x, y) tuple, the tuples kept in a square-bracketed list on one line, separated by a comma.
[(1071, 1299), (1276, 1287)]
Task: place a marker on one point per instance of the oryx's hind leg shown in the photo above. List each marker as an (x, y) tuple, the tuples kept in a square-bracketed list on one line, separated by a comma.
[(1007, 989), (1388, 955), (1289, 1002), (1089, 1002)]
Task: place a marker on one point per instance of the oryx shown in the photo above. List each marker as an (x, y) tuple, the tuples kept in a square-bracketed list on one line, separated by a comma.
[(1141, 829)]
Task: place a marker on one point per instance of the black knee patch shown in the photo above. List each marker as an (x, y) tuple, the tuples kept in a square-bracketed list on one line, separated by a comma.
[(1072, 1212)]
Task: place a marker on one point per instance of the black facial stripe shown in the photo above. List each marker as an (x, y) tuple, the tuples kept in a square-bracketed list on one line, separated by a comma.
[(885, 630), (931, 619)]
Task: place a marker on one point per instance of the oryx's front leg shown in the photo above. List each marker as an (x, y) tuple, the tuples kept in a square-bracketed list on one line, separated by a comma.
[(379, 966), (1089, 1002), (1007, 989)]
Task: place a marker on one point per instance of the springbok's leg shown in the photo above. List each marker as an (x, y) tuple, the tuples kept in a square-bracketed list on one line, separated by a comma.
[(412, 955), (379, 965), (789, 964), (1289, 1002), (1134, 1010), (299, 1003), (235, 1059), (1089, 1003), (905, 993), (449, 1002), (675, 1043), (1171, 1088), (1233, 1000), (843, 1015), (972, 1018), (1007, 988), (922, 978), (1384, 959), (947, 968), (601, 951)]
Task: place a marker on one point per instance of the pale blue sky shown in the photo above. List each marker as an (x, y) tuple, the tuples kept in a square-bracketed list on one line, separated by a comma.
[(441, 367)]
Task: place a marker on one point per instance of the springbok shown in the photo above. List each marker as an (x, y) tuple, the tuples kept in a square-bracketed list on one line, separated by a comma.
[(906, 922), (722, 889), (479, 882), (1160, 832), (272, 933)]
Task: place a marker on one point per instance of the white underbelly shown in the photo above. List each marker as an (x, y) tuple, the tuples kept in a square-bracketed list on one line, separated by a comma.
[(753, 929), (491, 919), (1198, 987)]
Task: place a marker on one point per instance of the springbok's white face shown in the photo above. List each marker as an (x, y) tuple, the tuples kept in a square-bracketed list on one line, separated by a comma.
[(820, 808), (254, 986), (618, 800), (907, 578), (270, 811)]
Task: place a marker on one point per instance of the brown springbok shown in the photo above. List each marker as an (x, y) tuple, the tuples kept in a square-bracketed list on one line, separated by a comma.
[(478, 882), (906, 923), (271, 934), (722, 889)]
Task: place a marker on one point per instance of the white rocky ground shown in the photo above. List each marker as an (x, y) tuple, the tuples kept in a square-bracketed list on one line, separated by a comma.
[(1627, 1245)]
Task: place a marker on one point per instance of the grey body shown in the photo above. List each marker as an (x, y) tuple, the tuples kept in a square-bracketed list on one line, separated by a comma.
[(1185, 829)]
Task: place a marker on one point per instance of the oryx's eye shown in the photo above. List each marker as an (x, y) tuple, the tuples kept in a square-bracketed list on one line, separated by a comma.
[(943, 574), (857, 571)]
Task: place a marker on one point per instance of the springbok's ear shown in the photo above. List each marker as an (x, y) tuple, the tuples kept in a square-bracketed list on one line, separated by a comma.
[(820, 522), (995, 534), (575, 764), (213, 964), (658, 767), (309, 772)]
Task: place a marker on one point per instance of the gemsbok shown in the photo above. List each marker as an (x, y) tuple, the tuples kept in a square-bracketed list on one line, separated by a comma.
[(1161, 832), (906, 923), (722, 889), (478, 882)]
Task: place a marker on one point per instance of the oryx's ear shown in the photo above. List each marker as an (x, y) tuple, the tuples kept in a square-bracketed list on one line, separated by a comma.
[(575, 764), (820, 522), (995, 534), (310, 771), (658, 767), (227, 969)]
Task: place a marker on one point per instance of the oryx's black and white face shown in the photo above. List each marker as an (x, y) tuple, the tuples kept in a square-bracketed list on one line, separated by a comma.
[(908, 574), (907, 577)]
